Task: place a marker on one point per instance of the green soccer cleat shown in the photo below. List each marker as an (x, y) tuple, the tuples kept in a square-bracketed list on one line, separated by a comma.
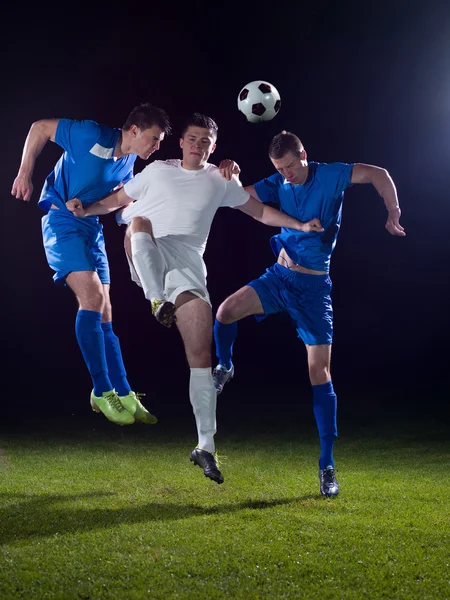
[(109, 404), (132, 403), (164, 312)]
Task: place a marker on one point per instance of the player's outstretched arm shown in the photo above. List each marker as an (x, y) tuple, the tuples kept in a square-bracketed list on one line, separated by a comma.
[(40, 133), (110, 203), (275, 218), (383, 183)]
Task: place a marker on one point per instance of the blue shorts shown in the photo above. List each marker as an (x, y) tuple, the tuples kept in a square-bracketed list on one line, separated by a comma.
[(73, 244), (306, 298)]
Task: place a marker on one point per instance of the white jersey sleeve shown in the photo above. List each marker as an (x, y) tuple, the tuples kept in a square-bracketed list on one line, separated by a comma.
[(136, 188), (235, 195)]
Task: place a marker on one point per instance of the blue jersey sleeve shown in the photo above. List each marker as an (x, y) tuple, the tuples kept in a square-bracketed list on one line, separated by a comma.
[(77, 137), (128, 177), (267, 189), (336, 177)]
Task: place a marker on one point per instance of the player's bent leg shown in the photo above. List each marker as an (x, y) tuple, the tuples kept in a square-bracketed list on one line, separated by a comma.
[(88, 289), (195, 326), (241, 304), (325, 412), (150, 267)]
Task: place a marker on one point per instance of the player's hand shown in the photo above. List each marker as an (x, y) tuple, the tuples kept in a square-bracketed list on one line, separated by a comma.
[(228, 168), (393, 222), (313, 226), (22, 188), (76, 207)]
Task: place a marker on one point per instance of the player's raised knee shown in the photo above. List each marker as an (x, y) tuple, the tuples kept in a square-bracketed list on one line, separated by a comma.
[(141, 224), (226, 313)]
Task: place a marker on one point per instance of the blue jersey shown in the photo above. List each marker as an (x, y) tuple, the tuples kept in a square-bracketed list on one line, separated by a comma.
[(87, 169), (319, 197)]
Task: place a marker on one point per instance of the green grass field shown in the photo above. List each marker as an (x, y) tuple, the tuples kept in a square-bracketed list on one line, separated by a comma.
[(106, 512)]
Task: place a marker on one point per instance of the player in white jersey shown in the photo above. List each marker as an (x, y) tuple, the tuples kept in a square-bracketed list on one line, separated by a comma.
[(170, 206)]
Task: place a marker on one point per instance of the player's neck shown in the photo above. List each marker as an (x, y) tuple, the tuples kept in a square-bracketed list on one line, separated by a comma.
[(184, 165), (119, 148), (304, 176)]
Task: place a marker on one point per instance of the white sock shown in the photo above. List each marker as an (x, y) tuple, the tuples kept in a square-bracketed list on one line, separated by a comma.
[(149, 264), (203, 397)]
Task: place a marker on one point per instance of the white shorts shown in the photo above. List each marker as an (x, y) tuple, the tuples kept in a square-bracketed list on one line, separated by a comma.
[(185, 269)]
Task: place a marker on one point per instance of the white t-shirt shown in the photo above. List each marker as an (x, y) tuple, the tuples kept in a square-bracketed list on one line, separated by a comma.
[(179, 201)]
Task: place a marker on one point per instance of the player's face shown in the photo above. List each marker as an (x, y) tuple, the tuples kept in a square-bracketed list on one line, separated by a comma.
[(198, 143), (145, 142), (291, 167)]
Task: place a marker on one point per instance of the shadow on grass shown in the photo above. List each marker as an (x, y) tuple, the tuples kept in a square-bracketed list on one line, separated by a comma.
[(38, 517)]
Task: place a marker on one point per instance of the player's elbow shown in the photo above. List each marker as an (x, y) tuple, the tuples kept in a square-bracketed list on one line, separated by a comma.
[(44, 129)]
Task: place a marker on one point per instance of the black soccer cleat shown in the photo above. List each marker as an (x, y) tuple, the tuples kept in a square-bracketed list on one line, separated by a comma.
[(207, 461), (164, 312), (221, 375), (329, 486)]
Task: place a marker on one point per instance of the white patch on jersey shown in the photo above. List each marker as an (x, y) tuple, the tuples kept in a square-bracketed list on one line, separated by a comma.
[(101, 151)]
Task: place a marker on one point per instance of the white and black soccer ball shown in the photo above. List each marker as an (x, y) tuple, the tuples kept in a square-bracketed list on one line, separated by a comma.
[(259, 101)]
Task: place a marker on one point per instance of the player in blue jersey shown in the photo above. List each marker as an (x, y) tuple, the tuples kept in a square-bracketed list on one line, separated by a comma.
[(96, 160), (299, 283)]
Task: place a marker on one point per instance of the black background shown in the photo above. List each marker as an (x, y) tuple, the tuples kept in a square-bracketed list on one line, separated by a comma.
[(358, 84)]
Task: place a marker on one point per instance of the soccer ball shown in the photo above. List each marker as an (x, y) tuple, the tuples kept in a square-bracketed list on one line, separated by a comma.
[(259, 101)]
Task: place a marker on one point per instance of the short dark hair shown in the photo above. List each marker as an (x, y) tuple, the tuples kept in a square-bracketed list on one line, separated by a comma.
[(199, 120), (146, 115), (285, 142)]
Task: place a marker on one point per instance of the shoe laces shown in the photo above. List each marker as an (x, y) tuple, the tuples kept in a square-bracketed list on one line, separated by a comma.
[(139, 395), (220, 459), (329, 475), (221, 373), (215, 455), (114, 401)]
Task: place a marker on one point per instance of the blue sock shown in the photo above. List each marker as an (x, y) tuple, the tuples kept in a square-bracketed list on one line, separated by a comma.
[(224, 336), (89, 334), (116, 368), (325, 408)]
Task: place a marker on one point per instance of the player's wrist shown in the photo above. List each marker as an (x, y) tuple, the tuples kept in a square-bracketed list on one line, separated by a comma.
[(25, 172)]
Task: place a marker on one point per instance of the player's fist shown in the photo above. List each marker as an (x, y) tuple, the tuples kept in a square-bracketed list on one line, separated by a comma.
[(312, 226), (228, 168), (76, 207), (22, 188)]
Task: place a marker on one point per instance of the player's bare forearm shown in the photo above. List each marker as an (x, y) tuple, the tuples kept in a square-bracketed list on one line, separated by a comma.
[(106, 205), (274, 218), (383, 183), (114, 201), (385, 186), (40, 133)]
